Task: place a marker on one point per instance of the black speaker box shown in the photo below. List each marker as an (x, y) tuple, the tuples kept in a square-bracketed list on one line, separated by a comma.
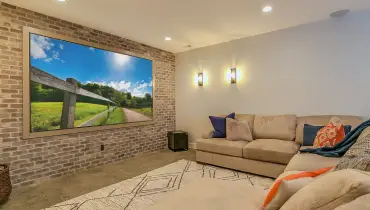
[(177, 140)]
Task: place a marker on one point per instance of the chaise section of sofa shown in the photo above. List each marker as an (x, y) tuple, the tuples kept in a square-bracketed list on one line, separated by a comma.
[(310, 162), (277, 140)]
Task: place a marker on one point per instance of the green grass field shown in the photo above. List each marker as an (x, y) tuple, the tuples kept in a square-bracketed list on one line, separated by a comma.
[(46, 116), (145, 111), (115, 117)]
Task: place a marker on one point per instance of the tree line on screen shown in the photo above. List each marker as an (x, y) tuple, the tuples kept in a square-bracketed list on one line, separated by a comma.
[(43, 93)]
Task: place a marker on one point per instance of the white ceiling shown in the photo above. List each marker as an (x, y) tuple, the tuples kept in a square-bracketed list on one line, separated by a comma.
[(198, 23)]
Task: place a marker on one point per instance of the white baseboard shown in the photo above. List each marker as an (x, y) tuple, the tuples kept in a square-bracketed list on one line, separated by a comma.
[(192, 145)]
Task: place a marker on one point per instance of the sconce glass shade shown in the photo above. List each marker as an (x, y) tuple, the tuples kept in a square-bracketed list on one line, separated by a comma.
[(233, 75), (200, 79)]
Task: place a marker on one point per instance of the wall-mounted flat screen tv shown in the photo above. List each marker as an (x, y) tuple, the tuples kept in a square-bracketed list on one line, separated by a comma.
[(77, 85)]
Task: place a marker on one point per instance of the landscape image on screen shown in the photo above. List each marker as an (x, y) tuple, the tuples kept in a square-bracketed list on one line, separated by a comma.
[(73, 86)]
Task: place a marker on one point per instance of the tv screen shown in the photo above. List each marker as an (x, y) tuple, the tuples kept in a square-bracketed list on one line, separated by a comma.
[(74, 85)]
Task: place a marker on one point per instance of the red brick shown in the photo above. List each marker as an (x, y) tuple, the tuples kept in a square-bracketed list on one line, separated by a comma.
[(15, 30), (8, 5), (25, 19), (9, 90), (6, 120), (16, 77), (10, 101)]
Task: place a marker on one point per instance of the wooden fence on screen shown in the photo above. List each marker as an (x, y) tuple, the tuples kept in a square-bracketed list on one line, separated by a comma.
[(71, 90)]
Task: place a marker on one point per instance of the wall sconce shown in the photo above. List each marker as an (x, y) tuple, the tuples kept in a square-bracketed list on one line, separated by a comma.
[(200, 79), (233, 75)]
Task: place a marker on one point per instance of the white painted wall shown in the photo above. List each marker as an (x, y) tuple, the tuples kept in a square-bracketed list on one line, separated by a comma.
[(319, 68)]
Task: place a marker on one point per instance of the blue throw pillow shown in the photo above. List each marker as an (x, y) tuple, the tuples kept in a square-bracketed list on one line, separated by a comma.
[(310, 132), (219, 125)]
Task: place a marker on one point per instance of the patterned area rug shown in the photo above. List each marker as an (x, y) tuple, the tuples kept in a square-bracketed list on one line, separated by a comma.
[(145, 190)]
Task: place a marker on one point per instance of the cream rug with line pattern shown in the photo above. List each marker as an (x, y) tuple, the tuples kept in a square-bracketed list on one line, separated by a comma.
[(143, 191)]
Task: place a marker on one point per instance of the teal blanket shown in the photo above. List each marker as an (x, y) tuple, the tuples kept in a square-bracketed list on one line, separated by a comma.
[(339, 149)]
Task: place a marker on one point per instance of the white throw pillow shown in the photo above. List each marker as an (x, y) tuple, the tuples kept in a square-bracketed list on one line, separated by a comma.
[(330, 191), (238, 130), (286, 189)]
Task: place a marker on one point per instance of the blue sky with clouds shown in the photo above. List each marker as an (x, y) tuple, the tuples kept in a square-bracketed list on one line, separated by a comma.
[(91, 65)]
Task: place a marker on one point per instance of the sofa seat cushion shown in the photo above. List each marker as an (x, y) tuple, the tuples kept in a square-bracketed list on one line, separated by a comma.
[(222, 146), (271, 150), (310, 162)]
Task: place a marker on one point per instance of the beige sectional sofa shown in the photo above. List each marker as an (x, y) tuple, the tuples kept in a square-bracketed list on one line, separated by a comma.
[(273, 153), (277, 140)]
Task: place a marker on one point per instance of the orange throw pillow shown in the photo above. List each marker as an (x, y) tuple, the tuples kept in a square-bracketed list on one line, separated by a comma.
[(329, 135), (274, 189)]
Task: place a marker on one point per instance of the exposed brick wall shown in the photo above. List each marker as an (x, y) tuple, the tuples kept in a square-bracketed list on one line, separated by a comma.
[(34, 160)]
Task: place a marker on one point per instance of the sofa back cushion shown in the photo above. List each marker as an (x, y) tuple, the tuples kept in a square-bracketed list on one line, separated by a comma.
[(274, 127), (322, 120), (249, 118)]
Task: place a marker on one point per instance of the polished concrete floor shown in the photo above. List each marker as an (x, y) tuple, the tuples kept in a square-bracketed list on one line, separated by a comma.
[(64, 188)]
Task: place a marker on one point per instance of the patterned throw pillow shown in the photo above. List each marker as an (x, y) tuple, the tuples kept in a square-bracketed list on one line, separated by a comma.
[(238, 130), (358, 156), (329, 135), (310, 133)]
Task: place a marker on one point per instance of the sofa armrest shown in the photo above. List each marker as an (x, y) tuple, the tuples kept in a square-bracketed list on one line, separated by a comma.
[(207, 135)]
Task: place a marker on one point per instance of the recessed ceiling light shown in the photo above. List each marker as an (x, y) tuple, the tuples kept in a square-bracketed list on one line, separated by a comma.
[(167, 38), (267, 9), (60, 0)]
